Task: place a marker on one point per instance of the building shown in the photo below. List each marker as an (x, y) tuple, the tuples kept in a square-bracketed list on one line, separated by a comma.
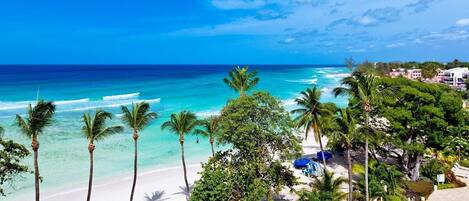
[(414, 74), (398, 72), (456, 77)]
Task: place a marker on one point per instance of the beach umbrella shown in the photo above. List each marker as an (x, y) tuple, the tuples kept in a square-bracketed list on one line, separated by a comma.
[(301, 163)]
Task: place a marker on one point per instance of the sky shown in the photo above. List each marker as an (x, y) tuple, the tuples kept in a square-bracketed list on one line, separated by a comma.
[(232, 31)]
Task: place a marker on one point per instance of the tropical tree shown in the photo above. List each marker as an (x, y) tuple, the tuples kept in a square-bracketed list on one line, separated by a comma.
[(327, 188), (363, 89), (11, 155), (346, 133), (137, 118), (309, 113), (241, 79), (38, 118), (211, 129), (181, 123), (95, 129), (430, 70)]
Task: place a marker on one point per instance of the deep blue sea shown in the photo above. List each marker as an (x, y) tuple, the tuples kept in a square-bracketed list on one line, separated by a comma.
[(63, 155)]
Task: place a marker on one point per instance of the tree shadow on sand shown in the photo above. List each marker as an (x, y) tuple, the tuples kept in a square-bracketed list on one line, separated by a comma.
[(185, 191), (155, 196)]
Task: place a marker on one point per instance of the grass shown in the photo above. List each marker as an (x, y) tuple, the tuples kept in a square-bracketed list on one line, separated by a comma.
[(464, 163), (447, 186), (421, 188)]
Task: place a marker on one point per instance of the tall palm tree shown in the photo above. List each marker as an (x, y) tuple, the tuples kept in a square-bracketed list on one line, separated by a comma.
[(211, 128), (362, 88), (346, 133), (137, 118), (38, 118), (309, 113), (325, 188), (241, 80), (181, 123), (95, 129)]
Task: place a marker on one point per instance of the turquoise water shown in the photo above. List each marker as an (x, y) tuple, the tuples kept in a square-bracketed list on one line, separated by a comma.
[(63, 155)]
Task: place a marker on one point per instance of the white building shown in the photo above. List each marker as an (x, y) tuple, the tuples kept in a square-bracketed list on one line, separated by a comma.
[(456, 77)]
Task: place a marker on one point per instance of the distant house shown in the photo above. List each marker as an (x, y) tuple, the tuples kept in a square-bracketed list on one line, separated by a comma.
[(456, 77)]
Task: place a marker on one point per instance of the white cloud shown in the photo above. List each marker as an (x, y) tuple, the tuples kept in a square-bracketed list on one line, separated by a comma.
[(289, 40), (394, 45), (463, 22), (238, 4), (449, 35)]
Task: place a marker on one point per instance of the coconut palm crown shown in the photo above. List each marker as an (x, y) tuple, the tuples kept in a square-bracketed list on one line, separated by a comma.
[(241, 79), (211, 129)]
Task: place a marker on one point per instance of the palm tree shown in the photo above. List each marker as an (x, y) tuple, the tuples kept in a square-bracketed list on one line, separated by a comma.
[(346, 133), (309, 113), (241, 80), (211, 128), (325, 188), (95, 129), (38, 118), (137, 118), (362, 88), (181, 123)]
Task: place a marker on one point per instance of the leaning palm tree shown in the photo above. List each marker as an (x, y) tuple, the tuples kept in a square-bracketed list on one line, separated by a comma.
[(38, 118), (309, 113), (95, 129), (363, 89), (181, 123), (241, 80), (346, 133), (137, 118), (211, 128)]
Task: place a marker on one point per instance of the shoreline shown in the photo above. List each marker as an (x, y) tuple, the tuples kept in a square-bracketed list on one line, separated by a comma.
[(168, 179)]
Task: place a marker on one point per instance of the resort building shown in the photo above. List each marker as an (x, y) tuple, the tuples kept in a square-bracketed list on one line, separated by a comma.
[(414, 74), (456, 77)]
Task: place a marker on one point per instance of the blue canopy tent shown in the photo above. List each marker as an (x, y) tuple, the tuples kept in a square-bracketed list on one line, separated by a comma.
[(301, 163), (327, 155)]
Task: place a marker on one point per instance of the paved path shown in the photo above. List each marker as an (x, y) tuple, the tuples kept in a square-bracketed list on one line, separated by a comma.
[(456, 194)]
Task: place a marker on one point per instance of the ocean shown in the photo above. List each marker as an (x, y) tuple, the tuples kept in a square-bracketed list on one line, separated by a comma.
[(63, 155)]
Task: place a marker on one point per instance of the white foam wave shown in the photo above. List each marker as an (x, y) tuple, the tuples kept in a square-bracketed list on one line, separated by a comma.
[(14, 105), (66, 102), (207, 113), (337, 75), (289, 102), (121, 96), (305, 81), (326, 90)]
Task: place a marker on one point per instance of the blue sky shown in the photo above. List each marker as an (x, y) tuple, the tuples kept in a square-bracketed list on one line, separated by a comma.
[(232, 31)]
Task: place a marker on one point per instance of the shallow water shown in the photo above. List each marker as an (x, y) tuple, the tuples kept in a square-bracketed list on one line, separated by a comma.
[(63, 156)]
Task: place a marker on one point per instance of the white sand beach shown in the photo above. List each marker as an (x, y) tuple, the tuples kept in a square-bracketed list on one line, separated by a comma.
[(171, 181)]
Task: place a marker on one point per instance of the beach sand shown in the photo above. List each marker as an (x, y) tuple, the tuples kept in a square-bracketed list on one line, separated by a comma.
[(169, 180)]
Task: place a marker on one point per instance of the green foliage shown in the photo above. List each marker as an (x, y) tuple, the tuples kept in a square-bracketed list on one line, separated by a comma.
[(421, 187), (138, 116), (420, 116), (431, 168), (241, 80), (38, 117), (381, 175), (181, 123), (260, 133), (95, 126), (11, 154), (429, 69), (327, 188)]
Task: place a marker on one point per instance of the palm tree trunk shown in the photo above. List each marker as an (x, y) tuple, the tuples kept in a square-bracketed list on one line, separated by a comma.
[(184, 167), (35, 146), (135, 137), (90, 181), (350, 182), (367, 122), (211, 144), (322, 151)]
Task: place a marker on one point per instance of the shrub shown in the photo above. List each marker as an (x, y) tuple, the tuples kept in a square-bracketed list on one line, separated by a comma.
[(431, 168), (447, 186), (464, 163)]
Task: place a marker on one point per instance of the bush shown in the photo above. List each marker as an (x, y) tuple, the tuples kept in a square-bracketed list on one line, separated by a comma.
[(432, 168), (464, 163)]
